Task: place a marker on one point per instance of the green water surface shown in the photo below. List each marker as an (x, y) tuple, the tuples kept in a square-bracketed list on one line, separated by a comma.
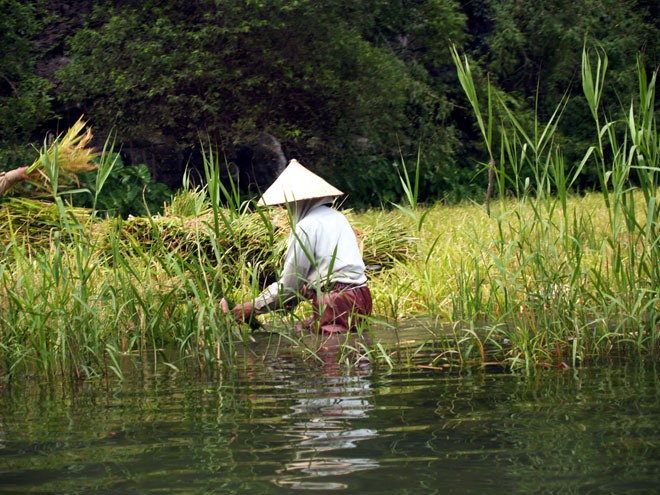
[(279, 424)]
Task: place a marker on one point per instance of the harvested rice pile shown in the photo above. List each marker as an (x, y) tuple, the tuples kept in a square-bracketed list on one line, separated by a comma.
[(239, 239), (32, 222), (243, 238), (384, 243)]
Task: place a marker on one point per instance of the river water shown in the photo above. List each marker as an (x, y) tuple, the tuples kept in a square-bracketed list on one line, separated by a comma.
[(281, 423)]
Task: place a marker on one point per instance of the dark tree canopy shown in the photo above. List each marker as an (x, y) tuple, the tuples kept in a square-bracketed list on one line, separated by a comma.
[(349, 88)]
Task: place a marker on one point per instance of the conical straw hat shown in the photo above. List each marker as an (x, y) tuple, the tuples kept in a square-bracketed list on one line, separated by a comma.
[(296, 183)]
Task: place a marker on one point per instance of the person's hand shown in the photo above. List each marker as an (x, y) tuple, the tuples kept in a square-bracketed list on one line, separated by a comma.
[(242, 312), (21, 173), (224, 305)]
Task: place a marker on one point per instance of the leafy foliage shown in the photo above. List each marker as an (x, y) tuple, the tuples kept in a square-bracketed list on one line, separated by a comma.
[(303, 71), (25, 97), (535, 53), (128, 190), (351, 88)]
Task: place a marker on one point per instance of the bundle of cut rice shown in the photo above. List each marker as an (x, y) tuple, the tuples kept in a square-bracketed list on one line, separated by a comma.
[(239, 240), (62, 159), (385, 242), (31, 222), (242, 239)]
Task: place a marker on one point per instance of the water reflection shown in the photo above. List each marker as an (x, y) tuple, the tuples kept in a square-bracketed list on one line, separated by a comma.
[(281, 424), (324, 423)]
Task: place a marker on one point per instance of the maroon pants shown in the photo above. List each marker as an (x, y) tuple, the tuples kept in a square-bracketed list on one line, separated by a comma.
[(341, 308)]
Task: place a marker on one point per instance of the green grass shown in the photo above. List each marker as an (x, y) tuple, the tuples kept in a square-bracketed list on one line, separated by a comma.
[(538, 277), (516, 287)]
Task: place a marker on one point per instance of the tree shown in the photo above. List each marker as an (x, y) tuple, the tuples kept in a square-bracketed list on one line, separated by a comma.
[(534, 55), (25, 98), (317, 75)]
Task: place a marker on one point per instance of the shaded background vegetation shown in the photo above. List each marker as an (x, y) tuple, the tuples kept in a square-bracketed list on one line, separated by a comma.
[(350, 88)]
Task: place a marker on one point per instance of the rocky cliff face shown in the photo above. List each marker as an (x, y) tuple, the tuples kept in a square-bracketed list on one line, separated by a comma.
[(61, 19)]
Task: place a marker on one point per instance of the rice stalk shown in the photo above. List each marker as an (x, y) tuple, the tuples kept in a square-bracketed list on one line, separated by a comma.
[(71, 152)]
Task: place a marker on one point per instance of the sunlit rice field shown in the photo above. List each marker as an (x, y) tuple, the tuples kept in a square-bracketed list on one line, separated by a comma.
[(540, 277), (521, 287)]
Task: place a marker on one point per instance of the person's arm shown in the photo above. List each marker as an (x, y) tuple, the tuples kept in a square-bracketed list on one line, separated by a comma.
[(8, 179), (242, 312), (297, 263)]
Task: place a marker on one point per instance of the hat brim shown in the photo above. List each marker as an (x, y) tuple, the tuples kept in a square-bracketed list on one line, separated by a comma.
[(296, 183)]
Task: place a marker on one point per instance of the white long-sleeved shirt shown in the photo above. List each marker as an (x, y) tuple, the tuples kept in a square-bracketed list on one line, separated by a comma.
[(322, 249)]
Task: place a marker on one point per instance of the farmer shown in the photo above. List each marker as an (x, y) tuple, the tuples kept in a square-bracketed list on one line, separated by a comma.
[(322, 262), (8, 179)]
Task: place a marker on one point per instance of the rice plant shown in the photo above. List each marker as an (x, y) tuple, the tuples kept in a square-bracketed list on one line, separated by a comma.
[(561, 285), (70, 152)]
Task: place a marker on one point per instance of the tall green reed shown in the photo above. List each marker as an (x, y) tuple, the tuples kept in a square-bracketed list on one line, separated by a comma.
[(555, 292), (99, 290), (51, 323), (627, 159)]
